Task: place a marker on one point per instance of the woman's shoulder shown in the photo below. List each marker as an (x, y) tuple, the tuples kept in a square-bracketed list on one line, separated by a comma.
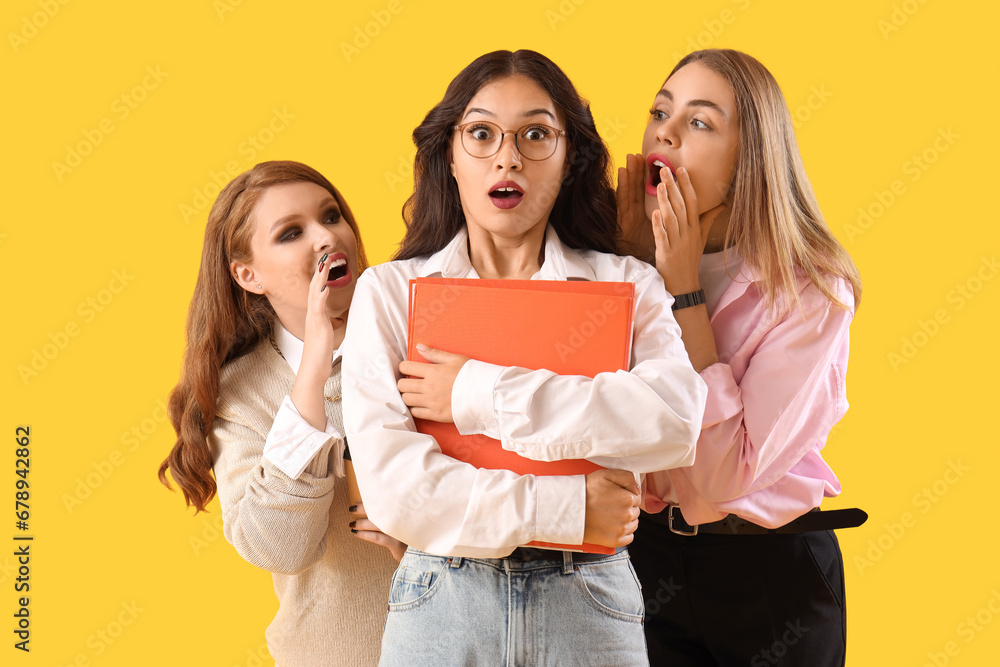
[(749, 283), (254, 375), (811, 296), (394, 270)]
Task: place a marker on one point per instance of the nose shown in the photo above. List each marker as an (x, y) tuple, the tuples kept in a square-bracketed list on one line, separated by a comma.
[(324, 239), (667, 132), (508, 157)]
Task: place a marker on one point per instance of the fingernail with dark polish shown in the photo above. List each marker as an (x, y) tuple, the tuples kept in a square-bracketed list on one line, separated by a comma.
[(323, 258), (354, 531)]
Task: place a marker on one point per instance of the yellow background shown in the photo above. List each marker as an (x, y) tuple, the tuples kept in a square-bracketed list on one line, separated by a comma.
[(98, 263)]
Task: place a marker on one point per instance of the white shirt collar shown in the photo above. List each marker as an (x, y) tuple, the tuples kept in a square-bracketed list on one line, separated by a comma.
[(560, 262), (291, 347)]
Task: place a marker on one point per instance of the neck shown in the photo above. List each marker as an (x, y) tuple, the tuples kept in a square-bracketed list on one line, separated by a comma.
[(297, 327), (507, 258), (716, 241)]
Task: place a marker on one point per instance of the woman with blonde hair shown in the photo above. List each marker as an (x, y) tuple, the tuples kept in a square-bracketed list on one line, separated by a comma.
[(736, 568), (259, 404)]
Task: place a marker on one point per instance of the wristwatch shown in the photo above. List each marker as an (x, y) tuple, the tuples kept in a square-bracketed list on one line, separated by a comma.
[(688, 300)]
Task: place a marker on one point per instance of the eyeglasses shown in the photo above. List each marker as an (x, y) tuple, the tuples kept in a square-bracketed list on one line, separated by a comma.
[(482, 139)]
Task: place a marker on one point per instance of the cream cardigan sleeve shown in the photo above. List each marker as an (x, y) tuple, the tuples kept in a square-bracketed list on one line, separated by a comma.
[(275, 522)]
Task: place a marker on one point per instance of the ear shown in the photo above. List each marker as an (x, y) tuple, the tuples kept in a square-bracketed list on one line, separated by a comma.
[(245, 277)]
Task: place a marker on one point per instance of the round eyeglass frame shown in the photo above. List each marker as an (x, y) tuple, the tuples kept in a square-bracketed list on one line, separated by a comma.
[(503, 134)]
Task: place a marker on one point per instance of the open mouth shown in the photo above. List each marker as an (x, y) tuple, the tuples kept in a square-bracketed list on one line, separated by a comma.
[(506, 194), (656, 162), (338, 270)]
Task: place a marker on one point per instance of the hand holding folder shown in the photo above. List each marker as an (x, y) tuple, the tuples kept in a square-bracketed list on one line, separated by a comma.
[(568, 327)]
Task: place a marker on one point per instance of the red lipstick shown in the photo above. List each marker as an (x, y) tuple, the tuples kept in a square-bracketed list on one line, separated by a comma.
[(340, 271), (655, 162), (506, 194)]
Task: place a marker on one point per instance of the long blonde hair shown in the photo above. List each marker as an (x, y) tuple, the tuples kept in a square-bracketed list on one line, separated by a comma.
[(225, 321), (774, 219)]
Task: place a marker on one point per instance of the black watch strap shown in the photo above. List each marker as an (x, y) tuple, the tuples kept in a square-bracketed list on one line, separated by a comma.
[(688, 300)]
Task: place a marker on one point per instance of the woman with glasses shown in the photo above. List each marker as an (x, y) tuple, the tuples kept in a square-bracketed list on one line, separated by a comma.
[(512, 182)]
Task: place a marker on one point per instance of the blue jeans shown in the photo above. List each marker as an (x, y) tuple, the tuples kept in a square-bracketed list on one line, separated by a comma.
[(509, 612)]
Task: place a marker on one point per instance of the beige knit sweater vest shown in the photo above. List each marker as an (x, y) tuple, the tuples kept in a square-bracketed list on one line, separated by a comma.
[(332, 587)]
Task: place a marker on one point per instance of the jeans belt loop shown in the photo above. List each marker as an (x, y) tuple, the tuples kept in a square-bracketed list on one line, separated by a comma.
[(684, 528), (568, 567), (455, 562)]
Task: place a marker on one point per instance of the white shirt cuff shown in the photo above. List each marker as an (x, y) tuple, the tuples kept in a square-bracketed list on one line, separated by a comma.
[(562, 509), (472, 399), (292, 443)]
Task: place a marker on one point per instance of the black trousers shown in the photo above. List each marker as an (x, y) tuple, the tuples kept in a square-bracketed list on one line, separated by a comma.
[(749, 600)]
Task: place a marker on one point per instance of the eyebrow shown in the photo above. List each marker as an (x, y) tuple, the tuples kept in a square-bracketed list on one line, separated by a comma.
[(526, 114), (708, 104), (295, 216)]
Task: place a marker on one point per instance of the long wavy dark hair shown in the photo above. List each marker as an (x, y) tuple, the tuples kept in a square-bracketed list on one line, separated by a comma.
[(584, 212), (225, 321)]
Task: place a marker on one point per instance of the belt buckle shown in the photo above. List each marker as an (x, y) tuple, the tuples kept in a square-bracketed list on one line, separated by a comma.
[(693, 530)]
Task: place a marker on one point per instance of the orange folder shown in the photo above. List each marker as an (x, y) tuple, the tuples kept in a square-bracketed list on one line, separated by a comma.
[(568, 327)]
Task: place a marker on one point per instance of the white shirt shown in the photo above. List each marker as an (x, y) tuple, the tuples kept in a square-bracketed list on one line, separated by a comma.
[(641, 420), (292, 442)]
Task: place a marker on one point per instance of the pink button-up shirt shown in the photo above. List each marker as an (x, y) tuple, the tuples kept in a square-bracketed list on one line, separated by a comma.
[(773, 397)]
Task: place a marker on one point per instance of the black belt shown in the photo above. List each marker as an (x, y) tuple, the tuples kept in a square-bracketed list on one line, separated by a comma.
[(525, 554), (815, 520)]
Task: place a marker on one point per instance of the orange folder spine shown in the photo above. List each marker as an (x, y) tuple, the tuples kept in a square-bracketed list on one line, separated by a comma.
[(568, 327)]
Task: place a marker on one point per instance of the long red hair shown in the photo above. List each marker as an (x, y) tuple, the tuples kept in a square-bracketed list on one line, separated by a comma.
[(224, 321)]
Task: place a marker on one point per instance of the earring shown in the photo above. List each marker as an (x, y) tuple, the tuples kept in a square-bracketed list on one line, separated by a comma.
[(259, 286)]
